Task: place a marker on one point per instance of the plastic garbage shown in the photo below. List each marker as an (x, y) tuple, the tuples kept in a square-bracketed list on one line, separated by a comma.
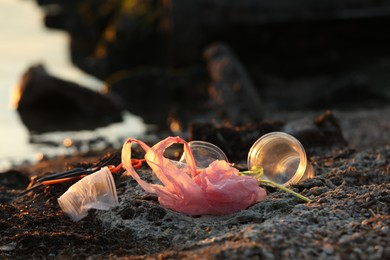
[(96, 190), (216, 190), (281, 157), (204, 154)]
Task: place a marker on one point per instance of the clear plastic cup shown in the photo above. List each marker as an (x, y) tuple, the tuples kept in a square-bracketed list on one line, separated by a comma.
[(204, 153), (96, 191), (281, 157)]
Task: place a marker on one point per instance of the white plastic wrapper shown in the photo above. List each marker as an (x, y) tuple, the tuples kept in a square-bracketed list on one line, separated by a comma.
[(95, 191)]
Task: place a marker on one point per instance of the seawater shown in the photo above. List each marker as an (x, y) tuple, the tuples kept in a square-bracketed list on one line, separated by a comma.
[(24, 41)]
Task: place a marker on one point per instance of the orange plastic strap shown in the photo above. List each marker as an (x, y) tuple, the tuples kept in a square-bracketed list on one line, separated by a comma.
[(52, 182), (114, 169), (137, 163)]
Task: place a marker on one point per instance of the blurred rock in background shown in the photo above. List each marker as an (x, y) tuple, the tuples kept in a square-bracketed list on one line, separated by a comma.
[(47, 103), (297, 55)]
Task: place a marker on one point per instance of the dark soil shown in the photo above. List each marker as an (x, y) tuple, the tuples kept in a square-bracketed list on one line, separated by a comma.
[(349, 217)]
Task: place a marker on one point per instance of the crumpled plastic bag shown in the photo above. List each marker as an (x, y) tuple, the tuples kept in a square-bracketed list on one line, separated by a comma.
[(215, 190)]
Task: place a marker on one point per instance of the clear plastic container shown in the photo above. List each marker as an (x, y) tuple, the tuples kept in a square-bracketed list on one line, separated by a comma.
[(281, 157), (204, 153), (96, 190)]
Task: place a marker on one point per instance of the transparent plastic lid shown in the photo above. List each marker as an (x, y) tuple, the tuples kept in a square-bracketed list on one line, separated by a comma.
[(204, 153)]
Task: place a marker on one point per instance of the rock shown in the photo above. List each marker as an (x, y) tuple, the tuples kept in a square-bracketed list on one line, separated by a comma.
[(234, 96), (302, 55), (109, 36), (316, 135), (162, 97), (234, 141), (182, 96), (323, 131), (48, 104), (310, 36)]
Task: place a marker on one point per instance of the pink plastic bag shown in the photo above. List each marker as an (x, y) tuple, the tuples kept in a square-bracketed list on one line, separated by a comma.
[(215, 190)]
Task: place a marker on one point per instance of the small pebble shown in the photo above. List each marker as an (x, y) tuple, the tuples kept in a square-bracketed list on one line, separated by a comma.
[(328, 248), (385, 230)]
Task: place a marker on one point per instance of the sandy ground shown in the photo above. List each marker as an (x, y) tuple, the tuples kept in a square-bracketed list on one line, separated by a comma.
[(348, 218)]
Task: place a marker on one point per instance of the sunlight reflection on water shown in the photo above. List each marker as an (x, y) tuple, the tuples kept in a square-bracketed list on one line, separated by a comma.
[(24, 42)]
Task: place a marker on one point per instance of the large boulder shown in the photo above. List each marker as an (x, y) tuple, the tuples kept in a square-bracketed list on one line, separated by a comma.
[(48, 103)]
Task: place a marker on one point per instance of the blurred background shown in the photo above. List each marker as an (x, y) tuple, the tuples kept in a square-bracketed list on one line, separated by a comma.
[(25, 41), (75, 75)]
